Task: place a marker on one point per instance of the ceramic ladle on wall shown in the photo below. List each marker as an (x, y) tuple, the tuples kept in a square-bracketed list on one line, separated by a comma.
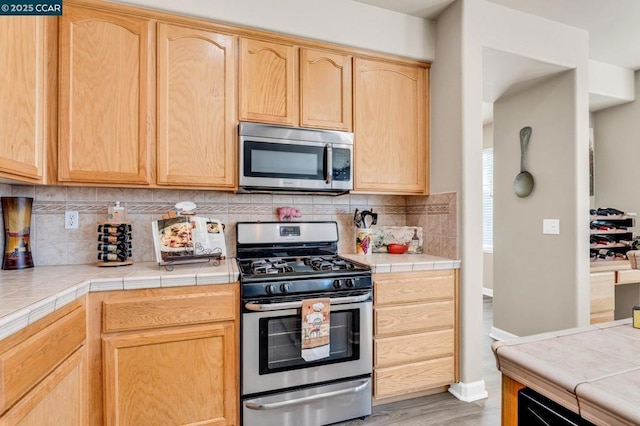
[(523, 183)]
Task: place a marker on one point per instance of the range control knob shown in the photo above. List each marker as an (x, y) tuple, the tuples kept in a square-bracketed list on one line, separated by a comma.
[(270, 289), (337, 284), (284, 288), (349, 283)]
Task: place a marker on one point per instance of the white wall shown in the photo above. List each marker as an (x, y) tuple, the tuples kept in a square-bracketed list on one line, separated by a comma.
[(342, 22), (547, 41), (617, 156), (534, 281), (456, 145)]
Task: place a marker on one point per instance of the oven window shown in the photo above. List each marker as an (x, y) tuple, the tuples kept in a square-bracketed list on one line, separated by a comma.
[(264, 159), (280, 343)]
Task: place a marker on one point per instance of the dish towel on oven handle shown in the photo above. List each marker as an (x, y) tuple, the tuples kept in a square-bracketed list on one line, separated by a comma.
[(315, 329)]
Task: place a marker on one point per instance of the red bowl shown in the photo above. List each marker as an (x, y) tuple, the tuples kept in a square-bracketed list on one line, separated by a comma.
[(397, 248)]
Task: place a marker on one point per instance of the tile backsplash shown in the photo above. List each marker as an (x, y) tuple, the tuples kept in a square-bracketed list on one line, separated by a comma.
[(53, 245)]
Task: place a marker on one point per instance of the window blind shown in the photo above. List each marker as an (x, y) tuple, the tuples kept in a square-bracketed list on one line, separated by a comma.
[(487, 199)]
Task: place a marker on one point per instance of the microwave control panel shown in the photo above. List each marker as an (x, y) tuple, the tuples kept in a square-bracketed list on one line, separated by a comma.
[(341, 164)]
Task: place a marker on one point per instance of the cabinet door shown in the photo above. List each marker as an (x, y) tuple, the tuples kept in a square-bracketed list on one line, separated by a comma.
[(267, 88), (107, 92), (27, 94), (178, 376), (390, 104), (325, 90), (60, 399), (196, 108)]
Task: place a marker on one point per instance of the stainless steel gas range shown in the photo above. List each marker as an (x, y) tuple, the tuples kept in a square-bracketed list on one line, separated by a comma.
[(283, 265)]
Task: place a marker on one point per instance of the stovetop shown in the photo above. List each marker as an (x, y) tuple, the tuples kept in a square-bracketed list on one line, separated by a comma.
[(294, 259), (297, 265)]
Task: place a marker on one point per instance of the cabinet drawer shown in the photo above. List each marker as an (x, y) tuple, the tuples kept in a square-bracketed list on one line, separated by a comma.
[(160, 310), (409, 287), (414, 377), (28, 362), (413, 348), (392, 320)]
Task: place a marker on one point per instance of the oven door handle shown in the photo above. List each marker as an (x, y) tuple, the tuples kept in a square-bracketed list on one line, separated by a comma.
[(262, 307), (306, 399)]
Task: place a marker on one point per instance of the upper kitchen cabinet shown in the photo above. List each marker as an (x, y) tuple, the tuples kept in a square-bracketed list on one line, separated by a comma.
[(267, 89), (325, 90), (27, 95), (391, 127), (196, 108), (107, 97)]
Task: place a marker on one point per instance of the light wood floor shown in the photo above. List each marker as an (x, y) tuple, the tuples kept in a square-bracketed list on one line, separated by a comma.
[(444, 408)]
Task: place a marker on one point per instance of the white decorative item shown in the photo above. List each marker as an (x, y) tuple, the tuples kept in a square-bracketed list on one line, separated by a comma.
[(410, 236)]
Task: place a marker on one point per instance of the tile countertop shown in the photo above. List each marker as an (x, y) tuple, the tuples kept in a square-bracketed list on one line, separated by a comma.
[(385, 262), (27, 295), (593, 370)]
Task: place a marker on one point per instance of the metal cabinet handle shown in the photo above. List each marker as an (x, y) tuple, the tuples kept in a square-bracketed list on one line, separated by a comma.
[(306, 399), (261, 307)]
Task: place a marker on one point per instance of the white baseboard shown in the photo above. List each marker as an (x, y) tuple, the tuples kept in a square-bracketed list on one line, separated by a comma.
[(487, 291), (469, 392), (501, 335)]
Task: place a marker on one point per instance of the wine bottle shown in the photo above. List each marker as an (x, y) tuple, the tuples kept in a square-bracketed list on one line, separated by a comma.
[(111, 257), (114, 247), (605, 225), (608, 211), (113, 239), (414, 243), (606, 254), (114, 229)]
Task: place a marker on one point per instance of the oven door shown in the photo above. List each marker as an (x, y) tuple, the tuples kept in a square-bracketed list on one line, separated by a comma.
[(271, 345)]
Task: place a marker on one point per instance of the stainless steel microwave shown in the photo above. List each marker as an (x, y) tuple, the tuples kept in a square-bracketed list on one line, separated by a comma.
[(291, 159)]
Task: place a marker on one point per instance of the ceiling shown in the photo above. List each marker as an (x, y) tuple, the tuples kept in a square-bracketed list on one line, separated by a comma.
[(614, 37), (614, 32)]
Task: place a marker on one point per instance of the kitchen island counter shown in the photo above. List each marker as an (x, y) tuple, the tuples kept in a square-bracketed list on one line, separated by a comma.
[(593, 371), (27, 295), (386, 263)]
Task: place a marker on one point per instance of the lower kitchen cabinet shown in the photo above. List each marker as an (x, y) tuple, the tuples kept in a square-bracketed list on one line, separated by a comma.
[(415, 333), (602, 296), (169, 355), (60, 399), (43, 371)]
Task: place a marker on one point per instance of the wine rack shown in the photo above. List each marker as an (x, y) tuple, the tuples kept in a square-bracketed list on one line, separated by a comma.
[(114, 244), (611, 236)]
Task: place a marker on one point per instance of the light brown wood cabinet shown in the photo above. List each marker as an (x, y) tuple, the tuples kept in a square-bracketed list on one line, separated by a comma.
[(43, 373), (168, 356), (415, 332), (196, 144), (267, 85), (107, 97), (602, 296), (28, 54), (391, 127), (275, 87), (325, 90)]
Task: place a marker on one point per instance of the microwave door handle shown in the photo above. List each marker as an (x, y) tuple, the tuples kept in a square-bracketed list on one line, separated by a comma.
[(328, 163)]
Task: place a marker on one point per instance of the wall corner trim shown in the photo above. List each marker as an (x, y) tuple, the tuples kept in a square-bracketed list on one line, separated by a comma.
[(469, 392)]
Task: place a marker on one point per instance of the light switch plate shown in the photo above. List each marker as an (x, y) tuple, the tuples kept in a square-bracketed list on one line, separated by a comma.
[(550, 226)]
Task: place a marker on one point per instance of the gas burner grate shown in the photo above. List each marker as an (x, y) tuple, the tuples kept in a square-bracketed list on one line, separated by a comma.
[(328, 263), (270, 266)]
